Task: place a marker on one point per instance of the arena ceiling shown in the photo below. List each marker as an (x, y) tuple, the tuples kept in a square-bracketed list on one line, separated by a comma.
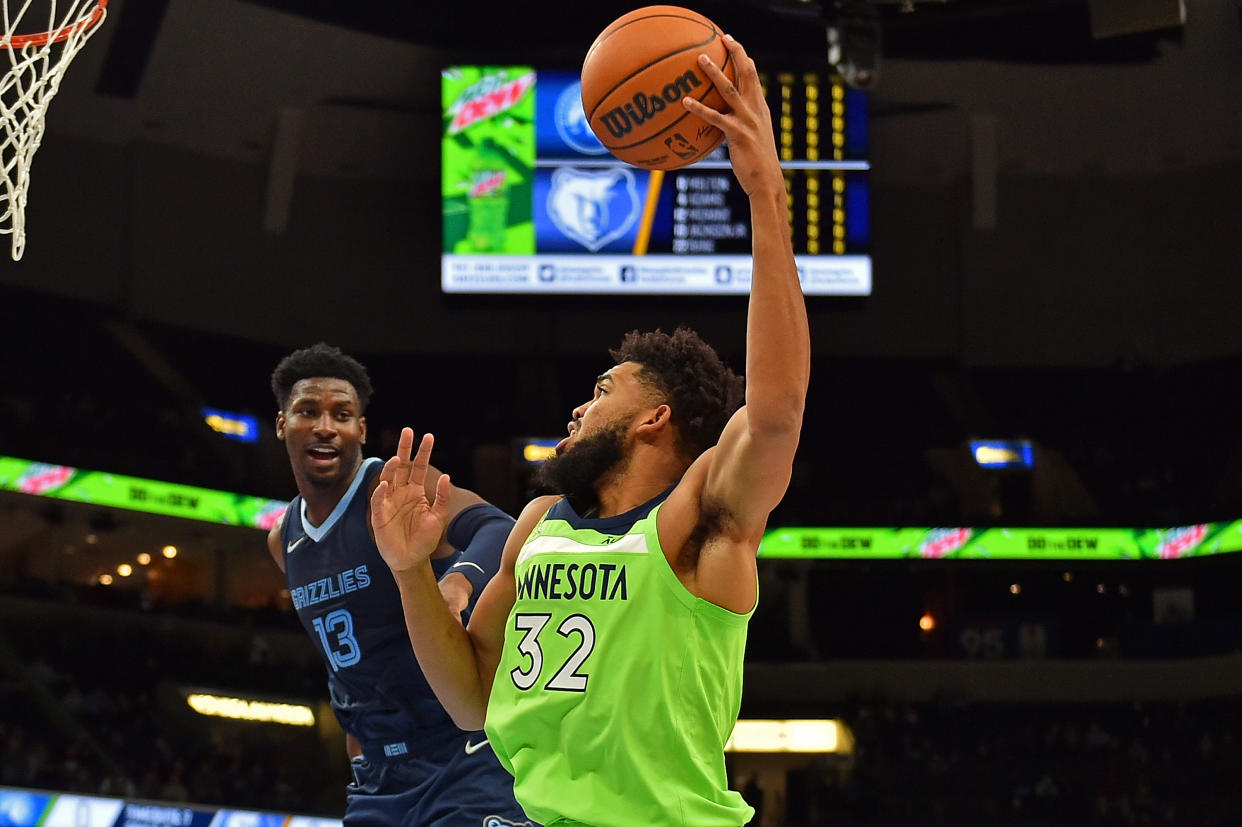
[(1040, 31), (215, 77)]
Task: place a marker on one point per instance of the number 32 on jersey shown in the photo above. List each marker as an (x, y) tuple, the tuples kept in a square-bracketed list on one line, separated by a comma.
[(568, 678)]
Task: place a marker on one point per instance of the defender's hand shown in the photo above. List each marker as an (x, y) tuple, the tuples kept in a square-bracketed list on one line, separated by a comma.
[(456, 590), (407, 527)]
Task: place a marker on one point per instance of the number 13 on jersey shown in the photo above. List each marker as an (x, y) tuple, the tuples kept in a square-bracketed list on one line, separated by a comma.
[(336, 633)]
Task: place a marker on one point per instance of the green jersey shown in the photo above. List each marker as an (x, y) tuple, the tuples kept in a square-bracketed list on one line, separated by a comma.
[(617, 688)]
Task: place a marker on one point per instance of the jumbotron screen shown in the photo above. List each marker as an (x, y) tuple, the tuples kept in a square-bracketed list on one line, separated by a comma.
[(534, 203)]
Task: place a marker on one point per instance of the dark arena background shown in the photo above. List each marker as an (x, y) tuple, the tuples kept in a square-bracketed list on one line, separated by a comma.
[(1049, 205)]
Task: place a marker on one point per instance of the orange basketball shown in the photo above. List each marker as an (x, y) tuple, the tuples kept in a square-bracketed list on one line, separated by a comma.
[(634, 77)]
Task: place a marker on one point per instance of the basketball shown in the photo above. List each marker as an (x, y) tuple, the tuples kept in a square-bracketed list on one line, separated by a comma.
[(633, 80)]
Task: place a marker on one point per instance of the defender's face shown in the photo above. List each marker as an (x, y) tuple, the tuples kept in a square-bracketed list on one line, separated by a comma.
[(617, 397), (323, 430)]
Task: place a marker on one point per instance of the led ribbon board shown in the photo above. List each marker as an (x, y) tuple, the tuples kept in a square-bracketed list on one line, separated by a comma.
[(64, 482), (189, 502), (1004, 543)]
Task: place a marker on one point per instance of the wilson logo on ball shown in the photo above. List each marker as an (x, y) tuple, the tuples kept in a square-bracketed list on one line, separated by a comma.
[(636, 75), (621, 120)]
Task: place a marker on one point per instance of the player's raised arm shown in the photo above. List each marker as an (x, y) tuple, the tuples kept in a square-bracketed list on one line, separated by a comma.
[(457, 663), (753, 462), (408, 527)]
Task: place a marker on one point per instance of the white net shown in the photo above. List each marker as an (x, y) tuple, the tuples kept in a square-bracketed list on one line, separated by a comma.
[(39, 40)]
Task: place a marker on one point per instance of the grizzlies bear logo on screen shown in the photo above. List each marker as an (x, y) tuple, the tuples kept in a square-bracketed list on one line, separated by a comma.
[(571, 122), (593, 208)]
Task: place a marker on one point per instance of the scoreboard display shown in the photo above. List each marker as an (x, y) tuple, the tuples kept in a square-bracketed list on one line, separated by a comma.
[(533, 203)]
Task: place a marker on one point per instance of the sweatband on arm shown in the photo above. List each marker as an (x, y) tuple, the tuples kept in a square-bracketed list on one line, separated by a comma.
[(479, 533)]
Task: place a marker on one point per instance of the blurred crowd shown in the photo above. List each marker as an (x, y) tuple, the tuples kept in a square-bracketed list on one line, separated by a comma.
[(120, 752), (1036, 764), (1162, 764), (104, 711)]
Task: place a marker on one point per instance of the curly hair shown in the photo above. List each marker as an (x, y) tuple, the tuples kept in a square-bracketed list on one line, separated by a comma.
[(320, 360), (683, 369)]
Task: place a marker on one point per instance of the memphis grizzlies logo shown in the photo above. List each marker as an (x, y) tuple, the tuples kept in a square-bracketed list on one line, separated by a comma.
[(593, 207), (571, 122)]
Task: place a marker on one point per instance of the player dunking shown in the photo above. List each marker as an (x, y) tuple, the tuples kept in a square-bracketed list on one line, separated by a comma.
[(411, 765), (606, 655)]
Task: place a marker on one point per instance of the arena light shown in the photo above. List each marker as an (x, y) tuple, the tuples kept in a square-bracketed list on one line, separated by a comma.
[(243, 709), (1003, 453), (793, 735), (238, 426), (535, 450)]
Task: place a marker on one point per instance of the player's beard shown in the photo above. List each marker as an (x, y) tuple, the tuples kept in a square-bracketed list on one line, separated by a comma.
[(576, 472)]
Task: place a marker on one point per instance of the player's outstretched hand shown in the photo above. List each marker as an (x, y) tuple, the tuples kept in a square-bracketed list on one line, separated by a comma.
[(407, 527), (748, 123)]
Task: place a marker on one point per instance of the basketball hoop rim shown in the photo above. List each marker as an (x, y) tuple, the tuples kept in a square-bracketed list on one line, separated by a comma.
[(20, 41)]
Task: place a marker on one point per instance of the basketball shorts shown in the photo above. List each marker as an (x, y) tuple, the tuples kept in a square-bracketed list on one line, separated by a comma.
[(460, 783)]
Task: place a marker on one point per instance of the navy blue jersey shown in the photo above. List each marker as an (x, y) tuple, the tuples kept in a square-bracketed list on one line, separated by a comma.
[(347, 599)]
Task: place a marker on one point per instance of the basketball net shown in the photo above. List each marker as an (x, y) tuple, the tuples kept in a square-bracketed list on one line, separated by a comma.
[(36, 65)]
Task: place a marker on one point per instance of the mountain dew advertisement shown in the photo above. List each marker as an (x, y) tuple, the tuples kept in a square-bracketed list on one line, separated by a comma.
[(964, 543), (65, 482), (488, 159), (952, 543)]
